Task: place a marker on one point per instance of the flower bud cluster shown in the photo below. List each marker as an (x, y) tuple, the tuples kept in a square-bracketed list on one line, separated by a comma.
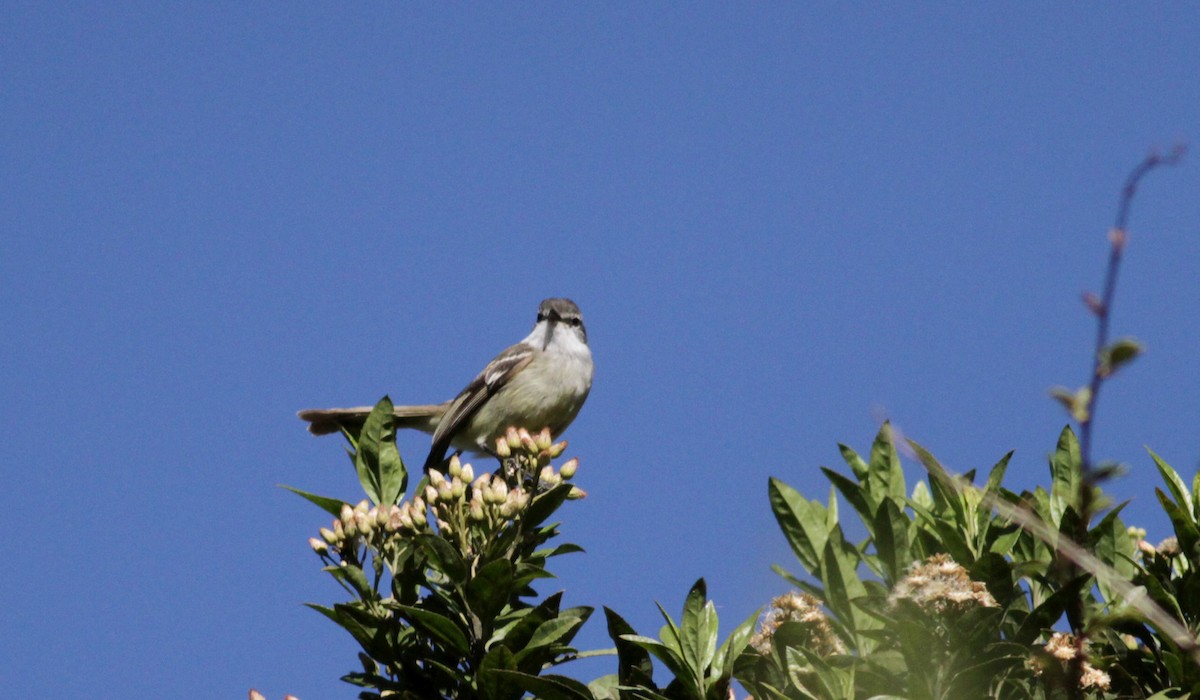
[(941, 585), (528, 449), (461, 504), (530, 454), (805, 610), (483, 498), (366, 522), (255, 695)]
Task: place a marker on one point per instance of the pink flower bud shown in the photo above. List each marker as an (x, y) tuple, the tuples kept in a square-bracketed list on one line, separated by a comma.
[(436, 477), (503, 451), (468, 474), (318, 546), (569, 467), (513, 437), (431, 494), (455, 466), (347, 513), (543, 439), (329, 536), (255, 695)]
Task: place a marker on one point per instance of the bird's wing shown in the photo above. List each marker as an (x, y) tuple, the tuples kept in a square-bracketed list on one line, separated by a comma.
[(499, 371)]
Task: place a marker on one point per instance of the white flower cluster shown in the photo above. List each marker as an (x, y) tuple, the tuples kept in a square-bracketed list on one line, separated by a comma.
[(805, 610), (1064, 647), (941, 585)]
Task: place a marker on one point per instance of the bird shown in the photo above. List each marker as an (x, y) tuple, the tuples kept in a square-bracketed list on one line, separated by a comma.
[(540, 382)]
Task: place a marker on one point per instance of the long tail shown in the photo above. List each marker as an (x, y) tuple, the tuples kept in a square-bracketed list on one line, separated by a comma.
[(322, 421)]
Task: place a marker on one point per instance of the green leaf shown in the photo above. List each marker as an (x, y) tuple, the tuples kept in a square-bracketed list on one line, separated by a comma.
[(393, 477), (444, 557), (1113, 546), (330, 505), (566, 548), (363, 627), (354, 577), (518, 635), (668, 656), (839, 573), (734, 645), (698, 629), (803, 522), (544, 505), (1186, 530), (1178, 489), (560, 629), (377, 430), (548, 687), (890, 527), (633, 662), (855, 494), (856, 463), (886, 474), (1066, 471), (490, 589), (996, 475), (942, 485), (1043, 617), (442, 629), (1117, 354), (921, 496), (494, 685), (376, 459), (1077, 403)]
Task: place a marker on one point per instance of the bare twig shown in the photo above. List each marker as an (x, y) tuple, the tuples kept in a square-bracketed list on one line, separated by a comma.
[(1102, 307), (1118, 236)]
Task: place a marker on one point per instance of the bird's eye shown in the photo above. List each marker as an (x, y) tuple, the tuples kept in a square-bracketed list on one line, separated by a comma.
[(574, 321)]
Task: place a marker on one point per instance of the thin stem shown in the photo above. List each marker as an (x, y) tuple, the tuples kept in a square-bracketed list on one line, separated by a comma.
[(1117, 237)]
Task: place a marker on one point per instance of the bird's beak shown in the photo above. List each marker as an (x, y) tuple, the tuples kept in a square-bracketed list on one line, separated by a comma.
[(551, 321)]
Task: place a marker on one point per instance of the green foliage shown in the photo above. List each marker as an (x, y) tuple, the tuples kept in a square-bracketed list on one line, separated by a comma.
[(945, 589), (689, 650), (441, 600), (943, 597)]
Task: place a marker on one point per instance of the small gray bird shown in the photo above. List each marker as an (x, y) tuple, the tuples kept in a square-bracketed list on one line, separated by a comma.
[(540, 382)]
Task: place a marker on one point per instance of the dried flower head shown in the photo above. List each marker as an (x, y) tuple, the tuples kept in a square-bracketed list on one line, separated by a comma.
[(805, 610), (1063, 647), (941, 585)]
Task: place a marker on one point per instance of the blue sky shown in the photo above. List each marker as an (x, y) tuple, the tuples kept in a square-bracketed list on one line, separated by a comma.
[(782, 223)]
